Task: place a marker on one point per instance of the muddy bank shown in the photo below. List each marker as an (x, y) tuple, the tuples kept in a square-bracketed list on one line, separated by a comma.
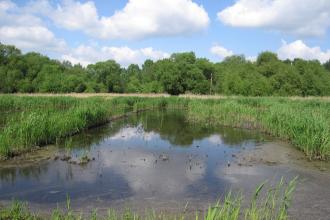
[(312, 196), (279, 153), (31, 157)]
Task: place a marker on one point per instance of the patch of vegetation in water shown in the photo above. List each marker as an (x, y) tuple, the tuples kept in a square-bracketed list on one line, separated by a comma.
[(271, 203)]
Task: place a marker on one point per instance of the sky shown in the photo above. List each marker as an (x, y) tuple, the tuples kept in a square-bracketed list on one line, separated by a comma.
[(135, 30)]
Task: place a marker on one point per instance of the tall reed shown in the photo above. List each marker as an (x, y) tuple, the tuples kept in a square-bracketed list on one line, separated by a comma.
[(42, 120)]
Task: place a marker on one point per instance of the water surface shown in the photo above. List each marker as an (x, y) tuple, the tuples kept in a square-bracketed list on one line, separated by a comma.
[(151, 160)]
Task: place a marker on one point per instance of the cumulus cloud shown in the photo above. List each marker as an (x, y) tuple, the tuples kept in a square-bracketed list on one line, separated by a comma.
[(138, 19), (295, 49), (221, 52), (76, 16), (306, 18), (26, 30), (124, 55), (298, 49)]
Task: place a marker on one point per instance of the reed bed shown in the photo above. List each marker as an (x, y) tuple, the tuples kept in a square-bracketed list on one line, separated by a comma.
[(44, 120), (304, 123)]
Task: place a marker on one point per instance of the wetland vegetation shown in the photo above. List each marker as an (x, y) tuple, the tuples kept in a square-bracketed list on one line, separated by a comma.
[(108, 125), (39, 121), (198, 138), (28, 123)]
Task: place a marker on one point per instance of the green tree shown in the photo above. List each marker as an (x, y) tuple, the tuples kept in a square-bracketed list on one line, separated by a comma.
[(108, 73), (170, 76), (327, 65)]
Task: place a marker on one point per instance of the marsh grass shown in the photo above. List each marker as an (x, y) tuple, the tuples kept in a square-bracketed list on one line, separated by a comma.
[(267, 202), (304, 123), (45, 120)]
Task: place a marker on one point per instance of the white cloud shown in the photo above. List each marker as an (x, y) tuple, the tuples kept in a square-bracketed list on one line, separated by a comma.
[(298, 49), (124, 55), (6, 5), (138, 19), (307, 18), (77, 16), (221, 52), (31, 38), (26, 31), (23, 27)]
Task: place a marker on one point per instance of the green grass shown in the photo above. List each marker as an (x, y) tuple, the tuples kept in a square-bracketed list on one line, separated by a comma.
[(304, 123), (44, 120), (267, 202)]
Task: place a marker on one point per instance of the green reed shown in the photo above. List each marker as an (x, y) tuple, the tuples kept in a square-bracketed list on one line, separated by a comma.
[(43, 120), (304, 123)]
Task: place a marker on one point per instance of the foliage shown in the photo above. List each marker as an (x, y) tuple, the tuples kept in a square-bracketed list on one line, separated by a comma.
[(181, 73)]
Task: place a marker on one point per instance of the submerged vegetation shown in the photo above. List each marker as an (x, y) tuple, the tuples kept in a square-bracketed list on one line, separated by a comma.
[(180, 73), (266, 203), (37, 121)]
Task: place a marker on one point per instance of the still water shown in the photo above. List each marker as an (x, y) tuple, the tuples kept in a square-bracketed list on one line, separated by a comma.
[(152, 160)]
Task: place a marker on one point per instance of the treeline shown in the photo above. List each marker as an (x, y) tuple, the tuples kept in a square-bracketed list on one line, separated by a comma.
[(181, 73)]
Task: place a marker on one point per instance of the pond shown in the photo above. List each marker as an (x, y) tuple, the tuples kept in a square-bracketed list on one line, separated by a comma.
[(157, 160)]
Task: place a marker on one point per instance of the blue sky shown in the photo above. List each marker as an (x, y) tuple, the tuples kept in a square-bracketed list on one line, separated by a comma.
[(132, 31)]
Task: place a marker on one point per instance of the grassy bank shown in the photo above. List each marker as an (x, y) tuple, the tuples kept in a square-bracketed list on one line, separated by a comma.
[(37, 121), (266, 203), (44, 120), (304, 123)]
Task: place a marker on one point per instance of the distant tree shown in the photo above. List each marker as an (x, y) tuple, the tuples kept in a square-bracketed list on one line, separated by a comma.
[(133, 85), (181, 73), (234, 60), (196, 82), (107, 73), (49, 79), (327, 65), (133, 69), (267, 57), (170, 76), (184, 58), (286, 82), (8, 54), (206, 67)]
